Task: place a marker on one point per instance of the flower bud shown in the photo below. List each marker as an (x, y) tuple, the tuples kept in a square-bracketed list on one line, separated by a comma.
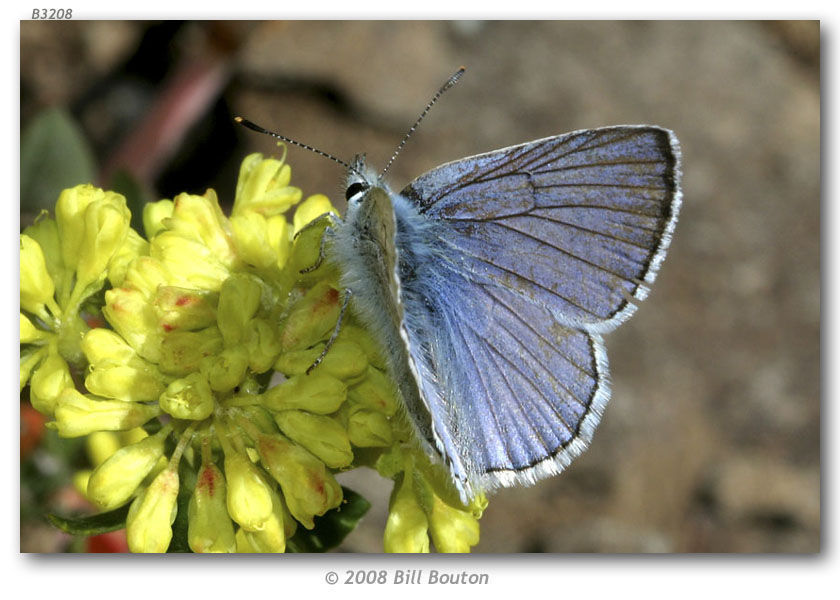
[(154, 216), (369, 429), (210, 528), (452, 530), (376, 392), (372, 349), (321, 435), (146, 274), (243, 543), (189, 263), (132, 436), (77, 415), (309, 489), (272, 537), (106, 223), (279, 238), (101, 445), (317, 393), (134, 319), (261, 419), (312, 318), (226, 370), (248, 495), (29, 333), (263, 187), (80, 481), (181, 352), (344, 360), (262, 343), (29, 359), (45, 232), (150, 518), (406, 530), (70, 218), (310, 209), (199, 218), (36, 285), (250, 234), (182, 308), (125, 382), (188, 398), (133, 247), (49, 380), (239, 300), (391, 461), (103, 345), (115, 480)]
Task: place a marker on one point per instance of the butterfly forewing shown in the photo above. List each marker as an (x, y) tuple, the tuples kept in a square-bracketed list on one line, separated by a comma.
[(577, 223)]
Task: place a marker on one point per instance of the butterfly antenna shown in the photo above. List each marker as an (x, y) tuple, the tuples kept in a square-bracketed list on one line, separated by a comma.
[(449, 83), (253, 126)]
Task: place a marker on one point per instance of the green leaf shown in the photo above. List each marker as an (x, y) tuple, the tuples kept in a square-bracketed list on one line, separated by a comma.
[(330, 529), (54, 155), (94, 524)]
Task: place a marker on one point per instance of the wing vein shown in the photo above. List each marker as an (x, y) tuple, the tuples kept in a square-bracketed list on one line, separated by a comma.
[(483, 385), (562, 250), (520, 276)]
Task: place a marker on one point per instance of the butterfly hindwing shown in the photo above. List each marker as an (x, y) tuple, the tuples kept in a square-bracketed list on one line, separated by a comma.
[(513, 394)]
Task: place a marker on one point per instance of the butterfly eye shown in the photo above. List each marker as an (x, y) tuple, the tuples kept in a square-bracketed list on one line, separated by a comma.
[(354, 189)]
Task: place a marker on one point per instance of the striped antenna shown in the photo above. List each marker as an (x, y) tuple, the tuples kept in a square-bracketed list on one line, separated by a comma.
[(253, 126), (449, 83)]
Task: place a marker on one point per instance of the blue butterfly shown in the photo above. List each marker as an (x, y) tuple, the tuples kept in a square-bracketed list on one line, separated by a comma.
[(490, 280)]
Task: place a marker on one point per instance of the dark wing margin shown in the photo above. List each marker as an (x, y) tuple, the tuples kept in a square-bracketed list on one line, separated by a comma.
[(578, 223)]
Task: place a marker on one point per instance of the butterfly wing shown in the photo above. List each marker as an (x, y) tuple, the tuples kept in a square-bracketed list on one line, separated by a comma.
[(513, 395), (579, 223), (537, 249)]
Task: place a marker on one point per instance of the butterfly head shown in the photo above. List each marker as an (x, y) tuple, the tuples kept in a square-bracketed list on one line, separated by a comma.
[(359, 180)]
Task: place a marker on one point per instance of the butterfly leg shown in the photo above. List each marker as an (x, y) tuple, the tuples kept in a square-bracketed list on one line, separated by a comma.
[(321, 252), (329, 218), (347, 294)]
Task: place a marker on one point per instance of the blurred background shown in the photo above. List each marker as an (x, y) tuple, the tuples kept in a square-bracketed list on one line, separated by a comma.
[(711, 442)]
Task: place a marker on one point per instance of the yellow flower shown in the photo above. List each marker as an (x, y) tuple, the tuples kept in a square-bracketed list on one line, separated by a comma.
[(155, 215), (36, 285), (248, 495), (149, 523), (114, 481), (48, 383), (77, 414), (210, 526), (263, 187), (211, 335), (310, 490), (407, 527)]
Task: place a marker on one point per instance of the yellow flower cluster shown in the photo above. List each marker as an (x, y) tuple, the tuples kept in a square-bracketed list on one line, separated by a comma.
[(213, 325)]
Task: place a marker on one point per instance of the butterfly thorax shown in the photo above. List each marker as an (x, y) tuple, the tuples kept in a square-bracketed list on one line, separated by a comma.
[(367, 249)]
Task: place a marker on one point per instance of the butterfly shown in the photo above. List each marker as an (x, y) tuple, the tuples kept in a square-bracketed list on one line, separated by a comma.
[(490, 280)]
